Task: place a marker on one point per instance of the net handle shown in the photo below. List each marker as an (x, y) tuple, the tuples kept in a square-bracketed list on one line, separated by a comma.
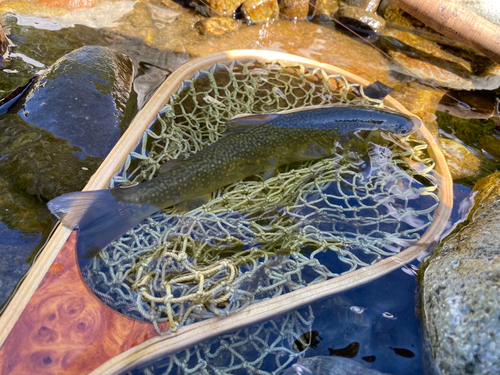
[(193, 334)]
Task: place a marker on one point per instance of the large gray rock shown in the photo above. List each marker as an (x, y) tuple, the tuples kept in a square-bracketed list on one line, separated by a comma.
[(461, 291), (64, 125), (332, 365), (82, 98), (67, 122)]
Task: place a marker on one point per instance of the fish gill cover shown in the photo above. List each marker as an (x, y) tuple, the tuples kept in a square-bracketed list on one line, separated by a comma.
[(261, 237)]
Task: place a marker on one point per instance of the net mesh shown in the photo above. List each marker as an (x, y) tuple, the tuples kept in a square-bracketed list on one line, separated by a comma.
[(260, 237)]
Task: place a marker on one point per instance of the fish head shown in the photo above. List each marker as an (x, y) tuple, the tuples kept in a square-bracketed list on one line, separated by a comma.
[(407, 127)]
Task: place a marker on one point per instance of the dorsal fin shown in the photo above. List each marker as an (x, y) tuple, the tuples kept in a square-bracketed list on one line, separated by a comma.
[(244, 122), (170, 165)]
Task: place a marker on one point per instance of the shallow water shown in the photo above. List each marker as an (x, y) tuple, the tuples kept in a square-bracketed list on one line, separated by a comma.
[(150, 35)]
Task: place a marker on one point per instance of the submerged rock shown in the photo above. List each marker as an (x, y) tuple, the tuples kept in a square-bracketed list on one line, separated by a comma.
[(39, 164), (429, 61), (331, 365), (462, 161), (294, 9), (461, 291), (421, 100), (469, 104), (216, 26), (258, 11), (223, 8), (82, 98), (491, 145), (361, 16), (88, 90), (4, 44), (324, 9), (69, 120)]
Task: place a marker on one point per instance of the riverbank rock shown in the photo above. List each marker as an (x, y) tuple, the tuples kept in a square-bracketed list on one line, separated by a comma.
[(222, 8), (461, 291), (4, 44), (294, 9), (324, 9), (421, 100), (82, 98), (361, 20), (259, 11), (216, 26), (429, 61), (66, 123), (462, 162), (331, 365)]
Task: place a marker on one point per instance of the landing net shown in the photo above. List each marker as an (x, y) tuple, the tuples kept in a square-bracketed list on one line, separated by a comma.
[(258, 239)]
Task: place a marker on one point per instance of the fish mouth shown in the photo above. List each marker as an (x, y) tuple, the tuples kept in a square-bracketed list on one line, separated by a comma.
[(416, 124)]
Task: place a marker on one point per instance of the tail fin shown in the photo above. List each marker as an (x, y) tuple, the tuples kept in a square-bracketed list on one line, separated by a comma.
[(100, 218)]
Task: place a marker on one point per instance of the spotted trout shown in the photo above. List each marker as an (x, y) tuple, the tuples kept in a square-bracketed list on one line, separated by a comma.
[(250, 144)]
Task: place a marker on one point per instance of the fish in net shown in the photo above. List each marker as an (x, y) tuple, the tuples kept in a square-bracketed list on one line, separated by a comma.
[(260, 238)]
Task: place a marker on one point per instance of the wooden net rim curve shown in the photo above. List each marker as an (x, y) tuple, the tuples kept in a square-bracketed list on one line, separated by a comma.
[(153, 348)]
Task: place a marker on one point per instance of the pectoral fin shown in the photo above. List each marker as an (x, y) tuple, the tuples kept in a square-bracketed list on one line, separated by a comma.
[(270, 174)]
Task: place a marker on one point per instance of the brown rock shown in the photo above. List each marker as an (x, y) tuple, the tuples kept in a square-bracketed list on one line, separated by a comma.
[(361, 19), (491, 145), (69, 4), (461, 161), (324, 8), (4, 44), (294, 9), (258, 11), (216, 26), (223, 8), (421, 100), (426, 60)]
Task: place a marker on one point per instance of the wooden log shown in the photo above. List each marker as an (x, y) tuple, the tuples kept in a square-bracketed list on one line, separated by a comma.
[(456, 22)]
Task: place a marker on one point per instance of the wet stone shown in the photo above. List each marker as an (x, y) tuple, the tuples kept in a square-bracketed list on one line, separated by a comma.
[(421, 100), (361, 20), (4, 44), (491, 145), (462, 162), (258, 11), (324, 8), (216, 26), (81, 98), (329, 365), (427, 60), (223, 8), (461, 291), (294, 9)]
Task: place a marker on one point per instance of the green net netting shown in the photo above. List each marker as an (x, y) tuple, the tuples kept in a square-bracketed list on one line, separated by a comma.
[(259, 238), (266, 348)]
